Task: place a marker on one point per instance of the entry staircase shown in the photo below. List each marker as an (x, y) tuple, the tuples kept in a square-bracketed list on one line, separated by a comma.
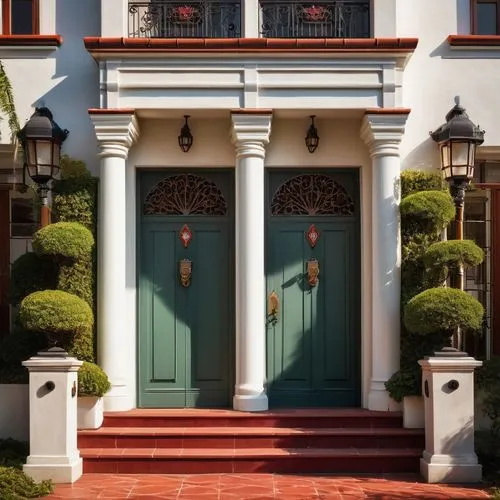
[(223, 441)]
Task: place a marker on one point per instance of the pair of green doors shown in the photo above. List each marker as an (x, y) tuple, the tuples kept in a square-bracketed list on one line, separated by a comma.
[(186, 307)]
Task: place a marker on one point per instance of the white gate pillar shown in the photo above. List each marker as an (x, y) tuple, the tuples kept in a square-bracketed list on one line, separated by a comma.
[(250, 134), (116, 131), (382, 130)]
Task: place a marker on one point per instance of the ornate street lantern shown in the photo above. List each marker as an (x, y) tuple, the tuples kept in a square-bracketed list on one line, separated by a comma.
[(312, 137)]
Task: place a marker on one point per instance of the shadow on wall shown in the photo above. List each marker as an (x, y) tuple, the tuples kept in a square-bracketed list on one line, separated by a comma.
[(77, 77), (424, 157)]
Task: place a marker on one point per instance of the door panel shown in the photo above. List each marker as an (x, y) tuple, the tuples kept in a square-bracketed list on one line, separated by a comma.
[(185, 332), (313, 343)]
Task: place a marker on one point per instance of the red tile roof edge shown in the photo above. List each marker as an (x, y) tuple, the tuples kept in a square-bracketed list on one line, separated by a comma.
[(388, 111), (249, 44), (30, 40), (474, 40), (111, 111)]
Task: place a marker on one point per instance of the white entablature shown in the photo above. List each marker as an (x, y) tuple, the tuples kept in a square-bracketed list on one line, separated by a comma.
[(342, 80)]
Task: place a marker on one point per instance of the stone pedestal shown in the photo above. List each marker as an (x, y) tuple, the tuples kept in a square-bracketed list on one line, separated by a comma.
[(52, 392), (448, 387)]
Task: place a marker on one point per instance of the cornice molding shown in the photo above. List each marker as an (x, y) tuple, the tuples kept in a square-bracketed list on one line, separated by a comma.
[(383, 132)]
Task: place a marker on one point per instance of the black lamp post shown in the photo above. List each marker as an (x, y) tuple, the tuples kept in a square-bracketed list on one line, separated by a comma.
[(41, 139), (458, 139)]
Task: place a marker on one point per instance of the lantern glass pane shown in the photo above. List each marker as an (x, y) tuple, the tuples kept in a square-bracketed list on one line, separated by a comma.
[(31, 153), (44, 152), (56, 155), (460, 171), (460, 154), (472, 154), (447, 173), (445, 155)]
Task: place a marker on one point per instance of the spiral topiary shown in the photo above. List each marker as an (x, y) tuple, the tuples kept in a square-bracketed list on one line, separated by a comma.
[(453, 254), (64, 239), (443, 310), (92, 381), (428, 209)]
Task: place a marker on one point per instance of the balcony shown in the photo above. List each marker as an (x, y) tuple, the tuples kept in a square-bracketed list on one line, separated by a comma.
[(337, 19), (186, 19), (222, 19)]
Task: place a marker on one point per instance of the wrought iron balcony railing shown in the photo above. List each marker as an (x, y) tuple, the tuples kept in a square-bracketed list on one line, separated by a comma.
[(185, 19), (310, 19)]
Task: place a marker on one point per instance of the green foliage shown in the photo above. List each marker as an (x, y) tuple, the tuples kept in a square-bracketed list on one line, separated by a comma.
[(452, 254), (414, 181), (55, 311), (405, 382), (7, 105), (31, 273), (73, 169), (442, 310), (64, 239), (77, 278), (488, 381), (16, 485), (427, 211), (92, 381)]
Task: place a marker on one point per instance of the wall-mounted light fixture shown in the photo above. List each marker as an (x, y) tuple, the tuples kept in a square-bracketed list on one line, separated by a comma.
[(185, 138), (312, 137)]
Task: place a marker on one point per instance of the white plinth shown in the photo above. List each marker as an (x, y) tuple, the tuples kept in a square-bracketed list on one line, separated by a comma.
[(448, 386), (53, 416)]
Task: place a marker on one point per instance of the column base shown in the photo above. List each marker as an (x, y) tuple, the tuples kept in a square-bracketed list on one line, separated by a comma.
[(119, 399), (257, 402), (57, 473), (379, 400), (450, 472)]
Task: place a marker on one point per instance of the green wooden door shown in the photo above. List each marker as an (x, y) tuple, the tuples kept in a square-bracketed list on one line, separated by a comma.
[(186, 326), (313, 342)]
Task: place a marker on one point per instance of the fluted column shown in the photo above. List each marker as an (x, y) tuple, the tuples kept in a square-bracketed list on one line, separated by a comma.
[(250, 134), (382, 131), (116, 131)]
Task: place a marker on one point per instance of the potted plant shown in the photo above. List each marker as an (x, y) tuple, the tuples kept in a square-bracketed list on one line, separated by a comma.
[(93, 383)]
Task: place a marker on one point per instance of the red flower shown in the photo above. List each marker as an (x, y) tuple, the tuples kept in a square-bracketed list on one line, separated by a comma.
[(315, 13), (186, 12)]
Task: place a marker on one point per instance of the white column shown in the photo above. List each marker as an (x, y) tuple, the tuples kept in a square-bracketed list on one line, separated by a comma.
[(250, 16), (250, 135), (116, 132), (382, 132)]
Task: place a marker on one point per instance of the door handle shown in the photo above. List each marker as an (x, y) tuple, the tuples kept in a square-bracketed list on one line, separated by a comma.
[(185, 270), (273, 307)]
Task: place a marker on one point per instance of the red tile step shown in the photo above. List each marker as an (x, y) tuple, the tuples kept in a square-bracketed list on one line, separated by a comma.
[(307, 418), (249, 438), (202, 461)]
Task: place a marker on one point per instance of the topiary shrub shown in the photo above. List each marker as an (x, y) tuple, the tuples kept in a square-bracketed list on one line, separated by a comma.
[(30, 273), (415, 181), (452, 254), (92, 381), (64, 239), (63, 317), (405, 382), (443, 310), (428, 210)]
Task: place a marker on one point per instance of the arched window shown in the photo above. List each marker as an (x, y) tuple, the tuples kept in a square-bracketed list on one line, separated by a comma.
[(185, 194), (312, 194)]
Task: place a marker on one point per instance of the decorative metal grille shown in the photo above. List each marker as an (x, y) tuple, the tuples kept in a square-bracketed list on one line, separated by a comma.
[(188, 19), (311, 19), (313, 194), (185, 194)]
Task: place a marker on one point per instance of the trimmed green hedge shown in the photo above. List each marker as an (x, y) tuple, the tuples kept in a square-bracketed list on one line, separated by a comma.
[(453, 254), (92, 381), (442, 310), (415, 181), (64, 239), (431, 210), (55, 311)]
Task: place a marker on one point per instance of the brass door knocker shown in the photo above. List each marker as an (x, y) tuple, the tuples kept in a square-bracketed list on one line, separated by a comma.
[(185, 270), (273, 307), (312, 267)]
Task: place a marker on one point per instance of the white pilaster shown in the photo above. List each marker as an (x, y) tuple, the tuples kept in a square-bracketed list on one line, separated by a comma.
[(116, 132), (250, 134), (114, 18), (382, 132), (251, 11), (53, 448)]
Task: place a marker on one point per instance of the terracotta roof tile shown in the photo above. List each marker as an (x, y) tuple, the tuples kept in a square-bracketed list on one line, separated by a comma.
[(474, 40), (30, 40)]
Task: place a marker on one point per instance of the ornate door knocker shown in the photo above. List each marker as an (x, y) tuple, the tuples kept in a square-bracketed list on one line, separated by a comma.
[(185, 270), (273, 308), (312, 267)]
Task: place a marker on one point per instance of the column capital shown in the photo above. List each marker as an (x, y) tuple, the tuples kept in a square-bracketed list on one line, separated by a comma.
[(250, 132), (383, 130), (116, 130)]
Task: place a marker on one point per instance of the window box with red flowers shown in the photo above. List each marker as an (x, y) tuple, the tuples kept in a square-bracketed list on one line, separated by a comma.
[(315, 14), (185, 14)]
